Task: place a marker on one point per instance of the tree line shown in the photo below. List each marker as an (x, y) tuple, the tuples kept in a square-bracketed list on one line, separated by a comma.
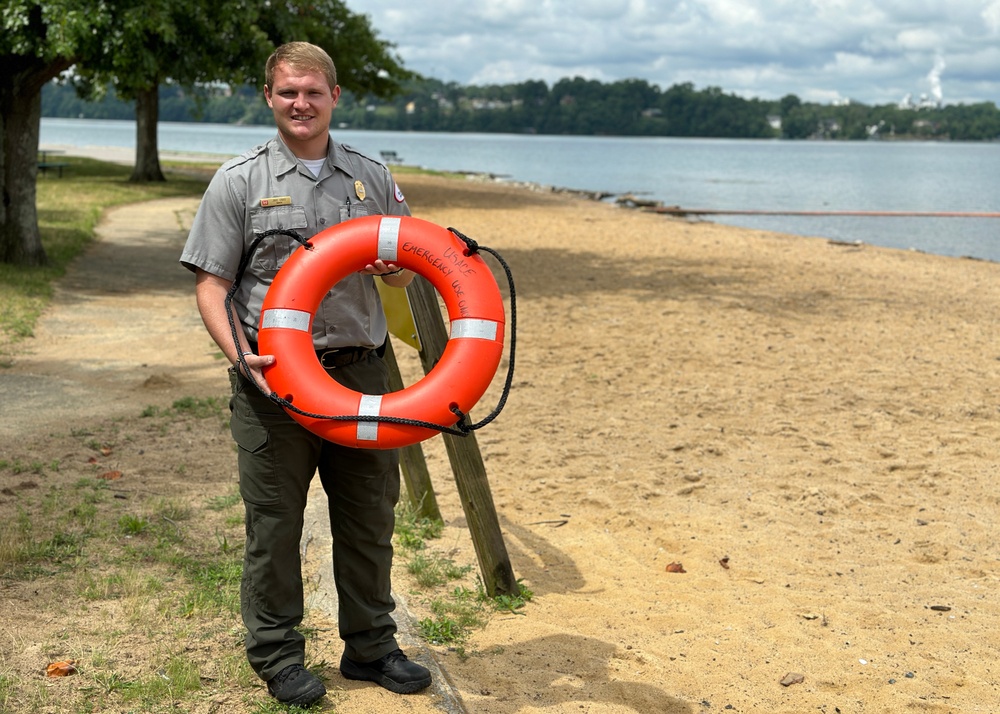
[(579, 106)]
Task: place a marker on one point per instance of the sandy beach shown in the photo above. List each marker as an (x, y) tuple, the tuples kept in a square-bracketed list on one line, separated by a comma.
[(806, 431), (809, 428)]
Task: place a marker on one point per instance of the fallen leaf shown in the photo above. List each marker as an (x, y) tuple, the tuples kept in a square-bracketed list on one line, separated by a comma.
[(675, 568), (106, 450), (110, 475), (793, 678), (92, 460), (61, 669)]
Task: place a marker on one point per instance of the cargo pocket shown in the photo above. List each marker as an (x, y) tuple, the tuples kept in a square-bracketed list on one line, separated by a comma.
[(258, 477)]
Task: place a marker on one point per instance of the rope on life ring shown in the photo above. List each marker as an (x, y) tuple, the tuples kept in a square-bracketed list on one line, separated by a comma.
[(442, 398)]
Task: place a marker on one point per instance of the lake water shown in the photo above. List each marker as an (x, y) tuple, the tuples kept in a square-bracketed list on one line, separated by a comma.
[(720, 174)]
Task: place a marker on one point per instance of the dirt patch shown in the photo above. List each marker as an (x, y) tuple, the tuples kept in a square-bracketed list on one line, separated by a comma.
[(809, 429)]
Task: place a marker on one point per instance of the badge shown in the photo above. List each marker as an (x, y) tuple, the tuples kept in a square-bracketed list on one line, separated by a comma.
[(399, 194), (359, 188), (276, 201)]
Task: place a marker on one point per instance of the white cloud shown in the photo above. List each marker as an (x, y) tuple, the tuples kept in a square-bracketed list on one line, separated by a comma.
[(873, 51), (991, 16)]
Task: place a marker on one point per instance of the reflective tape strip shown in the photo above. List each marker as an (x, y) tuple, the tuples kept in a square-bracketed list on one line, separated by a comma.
[(474, 329), (388, 238), (289, 319), (371, 405)]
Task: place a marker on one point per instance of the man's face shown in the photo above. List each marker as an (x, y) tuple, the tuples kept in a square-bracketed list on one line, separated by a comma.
[(302, 103)]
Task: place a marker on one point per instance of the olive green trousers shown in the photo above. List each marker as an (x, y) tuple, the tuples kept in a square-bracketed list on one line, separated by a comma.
[(277, 460)]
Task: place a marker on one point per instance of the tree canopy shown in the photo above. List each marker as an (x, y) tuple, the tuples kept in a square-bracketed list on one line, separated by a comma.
[(137, 45), (38, 41)]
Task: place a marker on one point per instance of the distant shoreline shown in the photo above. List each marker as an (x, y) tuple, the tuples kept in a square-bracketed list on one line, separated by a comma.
[(126, 156)]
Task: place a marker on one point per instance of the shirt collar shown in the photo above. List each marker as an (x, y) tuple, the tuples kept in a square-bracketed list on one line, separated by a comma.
[(284, 161)]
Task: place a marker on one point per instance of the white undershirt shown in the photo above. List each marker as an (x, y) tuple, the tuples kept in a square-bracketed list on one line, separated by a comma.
[(314, 165)]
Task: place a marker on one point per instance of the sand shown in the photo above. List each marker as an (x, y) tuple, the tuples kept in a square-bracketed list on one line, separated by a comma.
[(807, 429)]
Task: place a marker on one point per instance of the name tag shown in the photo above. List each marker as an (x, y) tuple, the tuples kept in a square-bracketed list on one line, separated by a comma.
[(276, 201)]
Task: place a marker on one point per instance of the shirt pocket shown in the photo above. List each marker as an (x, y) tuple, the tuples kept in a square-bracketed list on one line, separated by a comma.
[(274, 250), (357, 209)]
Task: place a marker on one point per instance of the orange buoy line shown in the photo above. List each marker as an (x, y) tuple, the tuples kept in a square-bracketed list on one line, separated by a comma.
[(678, 211)]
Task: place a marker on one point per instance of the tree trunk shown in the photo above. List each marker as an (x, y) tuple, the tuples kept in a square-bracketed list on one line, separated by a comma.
[(20, 115), (147, 153)]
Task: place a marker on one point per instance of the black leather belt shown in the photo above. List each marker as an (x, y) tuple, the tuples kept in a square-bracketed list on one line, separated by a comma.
[(343, 356), (340, 357)]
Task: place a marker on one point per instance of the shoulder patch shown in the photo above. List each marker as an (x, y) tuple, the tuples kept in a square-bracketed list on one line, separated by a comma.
[(398, 193)]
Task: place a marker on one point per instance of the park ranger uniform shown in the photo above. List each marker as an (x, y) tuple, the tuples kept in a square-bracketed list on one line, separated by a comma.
[(269, 188)]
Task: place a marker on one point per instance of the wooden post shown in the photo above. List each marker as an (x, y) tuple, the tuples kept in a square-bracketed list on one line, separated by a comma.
[(411, 458), (463, 452)]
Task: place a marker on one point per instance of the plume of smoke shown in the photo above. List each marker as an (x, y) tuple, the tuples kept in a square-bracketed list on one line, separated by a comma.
[(934, 77)]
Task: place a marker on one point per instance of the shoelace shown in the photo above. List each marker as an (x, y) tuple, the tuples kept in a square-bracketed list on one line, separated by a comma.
[(284, 675)]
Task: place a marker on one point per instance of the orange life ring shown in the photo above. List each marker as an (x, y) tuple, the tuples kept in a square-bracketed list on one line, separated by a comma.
[(460, 378)]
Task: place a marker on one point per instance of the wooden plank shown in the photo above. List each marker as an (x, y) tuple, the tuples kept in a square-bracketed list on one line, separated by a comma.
[(465, 456), (416, 475)]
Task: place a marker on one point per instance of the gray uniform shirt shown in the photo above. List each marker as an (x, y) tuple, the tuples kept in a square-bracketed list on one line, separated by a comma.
[(268, 188)]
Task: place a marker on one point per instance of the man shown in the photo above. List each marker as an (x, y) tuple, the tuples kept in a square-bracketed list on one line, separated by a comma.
[(301, 180)]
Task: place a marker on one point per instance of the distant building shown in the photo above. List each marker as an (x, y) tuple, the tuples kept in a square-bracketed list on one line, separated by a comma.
[(925, 102)]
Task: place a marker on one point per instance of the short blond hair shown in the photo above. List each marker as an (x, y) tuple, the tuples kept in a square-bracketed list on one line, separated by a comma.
[(301, 56)]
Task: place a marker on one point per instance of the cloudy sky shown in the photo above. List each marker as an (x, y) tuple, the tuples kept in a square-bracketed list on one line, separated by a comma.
[(872, 51)]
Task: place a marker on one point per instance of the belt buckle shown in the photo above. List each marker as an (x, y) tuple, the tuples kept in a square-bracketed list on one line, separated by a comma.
[(331, 359), (332, 356)]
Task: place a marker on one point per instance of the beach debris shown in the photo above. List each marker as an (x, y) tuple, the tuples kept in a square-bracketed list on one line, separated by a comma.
[(555, 523), (63, 668), (724, 562), (792, 678), (810, 616), (630, 201), (675, 567), (847, 243), (941, 608)]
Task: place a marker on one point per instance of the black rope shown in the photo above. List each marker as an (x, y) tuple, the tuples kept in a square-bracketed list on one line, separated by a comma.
[(240, 270), (474, 247), (462, 427)]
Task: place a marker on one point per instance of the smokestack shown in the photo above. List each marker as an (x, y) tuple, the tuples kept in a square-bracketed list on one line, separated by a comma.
[(934, 77)]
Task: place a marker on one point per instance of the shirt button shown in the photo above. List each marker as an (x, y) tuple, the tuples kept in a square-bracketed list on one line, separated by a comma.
[(322, 221)]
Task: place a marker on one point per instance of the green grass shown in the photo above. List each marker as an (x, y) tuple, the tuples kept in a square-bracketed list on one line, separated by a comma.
[(68, 211), (168, 563), (455, 611)]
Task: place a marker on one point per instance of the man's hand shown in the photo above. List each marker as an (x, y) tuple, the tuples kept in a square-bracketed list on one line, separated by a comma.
[(256, 363), (391, 274), (210, 291)]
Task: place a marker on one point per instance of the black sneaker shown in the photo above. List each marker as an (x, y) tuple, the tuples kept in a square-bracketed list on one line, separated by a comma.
[(394, 672), (296, 685)]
